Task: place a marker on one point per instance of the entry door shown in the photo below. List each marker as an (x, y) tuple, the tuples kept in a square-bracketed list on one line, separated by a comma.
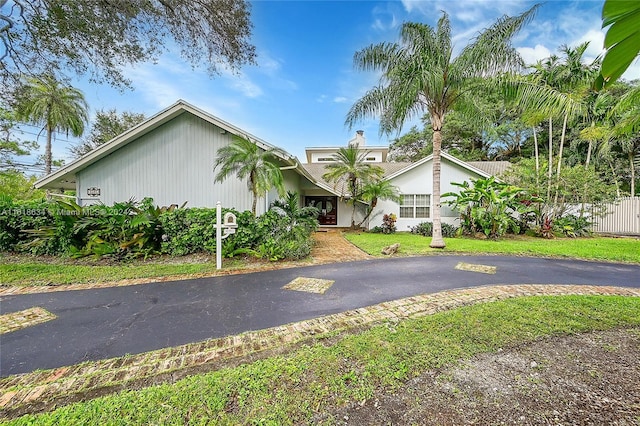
[(328, 207)]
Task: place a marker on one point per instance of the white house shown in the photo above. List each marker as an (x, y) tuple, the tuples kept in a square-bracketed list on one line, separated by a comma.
[(170, 158)]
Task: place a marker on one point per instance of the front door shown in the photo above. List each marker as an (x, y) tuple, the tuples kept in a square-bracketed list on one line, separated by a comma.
[(328, 207)]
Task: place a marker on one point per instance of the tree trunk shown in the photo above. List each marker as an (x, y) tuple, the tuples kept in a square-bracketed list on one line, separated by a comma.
[(564, 131), (48, 157), (373, 205), (550, 159), (537, 154), (633, 174), (436, 241)]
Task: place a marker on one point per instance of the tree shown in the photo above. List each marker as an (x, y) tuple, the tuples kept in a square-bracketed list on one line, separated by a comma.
[(107, 125), (622, 40), (305, 217), (420, 74), (349, 167), (377, 190), (57, 107), (412, 146), (248, 161), (105, 37), (11, 147)]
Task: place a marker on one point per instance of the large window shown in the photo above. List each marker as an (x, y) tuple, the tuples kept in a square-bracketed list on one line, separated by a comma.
[(413, 206)]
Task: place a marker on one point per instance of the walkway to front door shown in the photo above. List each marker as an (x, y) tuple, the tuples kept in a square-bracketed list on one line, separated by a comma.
[(328, 207)]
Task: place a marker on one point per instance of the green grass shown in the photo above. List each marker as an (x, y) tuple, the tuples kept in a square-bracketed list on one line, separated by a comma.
[(47, 274), (290, 389), (596, 248)]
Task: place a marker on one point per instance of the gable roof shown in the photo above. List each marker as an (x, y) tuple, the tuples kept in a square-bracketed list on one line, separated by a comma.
[(65, 176), (444, 155), (494, 168)]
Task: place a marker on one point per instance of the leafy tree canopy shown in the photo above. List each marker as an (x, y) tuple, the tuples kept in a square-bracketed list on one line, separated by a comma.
[(102, 37), (106, 126)]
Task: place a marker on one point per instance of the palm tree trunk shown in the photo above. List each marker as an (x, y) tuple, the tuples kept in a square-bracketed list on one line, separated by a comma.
[(633, 174), (537, 154), (436, 241), (564, 131), (550, 159), (48, 157), (615, 179), (254, 203), (588, 160)]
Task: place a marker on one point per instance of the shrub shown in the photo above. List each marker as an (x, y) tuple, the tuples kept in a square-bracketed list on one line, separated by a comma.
[(389, 223), (426, 229), (20, 219), (572, 226), (491, 207)]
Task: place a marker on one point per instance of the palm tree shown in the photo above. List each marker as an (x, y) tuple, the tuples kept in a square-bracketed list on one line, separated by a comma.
[(58, 107), (622, 40), (420, 73), (349, 166), (248, 161), (377, 190), (306, 216)]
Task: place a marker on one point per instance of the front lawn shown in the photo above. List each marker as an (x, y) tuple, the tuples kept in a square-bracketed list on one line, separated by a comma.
[(596, 248), (350, 369)]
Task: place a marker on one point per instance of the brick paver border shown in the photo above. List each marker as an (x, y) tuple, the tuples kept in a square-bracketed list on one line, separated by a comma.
[(40, 390)]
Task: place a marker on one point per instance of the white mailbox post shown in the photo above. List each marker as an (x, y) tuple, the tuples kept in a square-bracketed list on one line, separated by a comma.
[(227, 227)]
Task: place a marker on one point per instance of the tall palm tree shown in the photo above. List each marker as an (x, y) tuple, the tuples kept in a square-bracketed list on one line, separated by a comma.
[(421, 74), (377, 190), (56, 106), (349, 167), (248, 161)]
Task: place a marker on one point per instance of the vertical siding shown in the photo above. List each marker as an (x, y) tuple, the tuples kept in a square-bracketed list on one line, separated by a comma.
[(623, 217), (172, 164)]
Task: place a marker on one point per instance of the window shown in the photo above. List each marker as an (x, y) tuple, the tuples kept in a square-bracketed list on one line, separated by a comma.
[(413, 206), (370, 159), (325, 159)]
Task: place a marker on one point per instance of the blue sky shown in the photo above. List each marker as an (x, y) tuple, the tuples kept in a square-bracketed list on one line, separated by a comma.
[(304, 84)]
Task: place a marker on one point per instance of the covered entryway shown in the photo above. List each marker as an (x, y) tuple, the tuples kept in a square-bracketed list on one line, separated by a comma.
[(328, 206)]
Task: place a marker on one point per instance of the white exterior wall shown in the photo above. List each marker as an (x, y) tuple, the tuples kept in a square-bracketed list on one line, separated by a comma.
[(419, 181), (172, 164)]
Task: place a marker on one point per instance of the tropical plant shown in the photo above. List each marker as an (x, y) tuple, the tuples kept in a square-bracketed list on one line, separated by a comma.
[(420, 74), (57, 107), (426, 230), (305, 217), (377, 190), (248, 161), (348, 167), (622, 40), (389, 223), (491, 207)]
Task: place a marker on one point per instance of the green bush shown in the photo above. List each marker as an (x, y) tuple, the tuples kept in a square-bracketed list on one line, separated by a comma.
[(491, 207), (18, 220), (426, 229), (572, 226)]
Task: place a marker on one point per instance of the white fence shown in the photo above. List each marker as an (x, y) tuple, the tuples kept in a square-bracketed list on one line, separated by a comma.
[(623, 217)]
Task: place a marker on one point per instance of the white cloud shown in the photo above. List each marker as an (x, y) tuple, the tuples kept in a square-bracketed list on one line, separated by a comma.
[(531, 55), (384, 18), (320, 99), (340, 99)]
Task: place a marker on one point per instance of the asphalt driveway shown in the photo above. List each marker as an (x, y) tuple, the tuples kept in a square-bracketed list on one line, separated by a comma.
[(103, 323)]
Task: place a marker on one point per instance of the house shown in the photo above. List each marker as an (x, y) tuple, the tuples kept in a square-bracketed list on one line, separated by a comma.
[(413, 180), (170, 158)]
